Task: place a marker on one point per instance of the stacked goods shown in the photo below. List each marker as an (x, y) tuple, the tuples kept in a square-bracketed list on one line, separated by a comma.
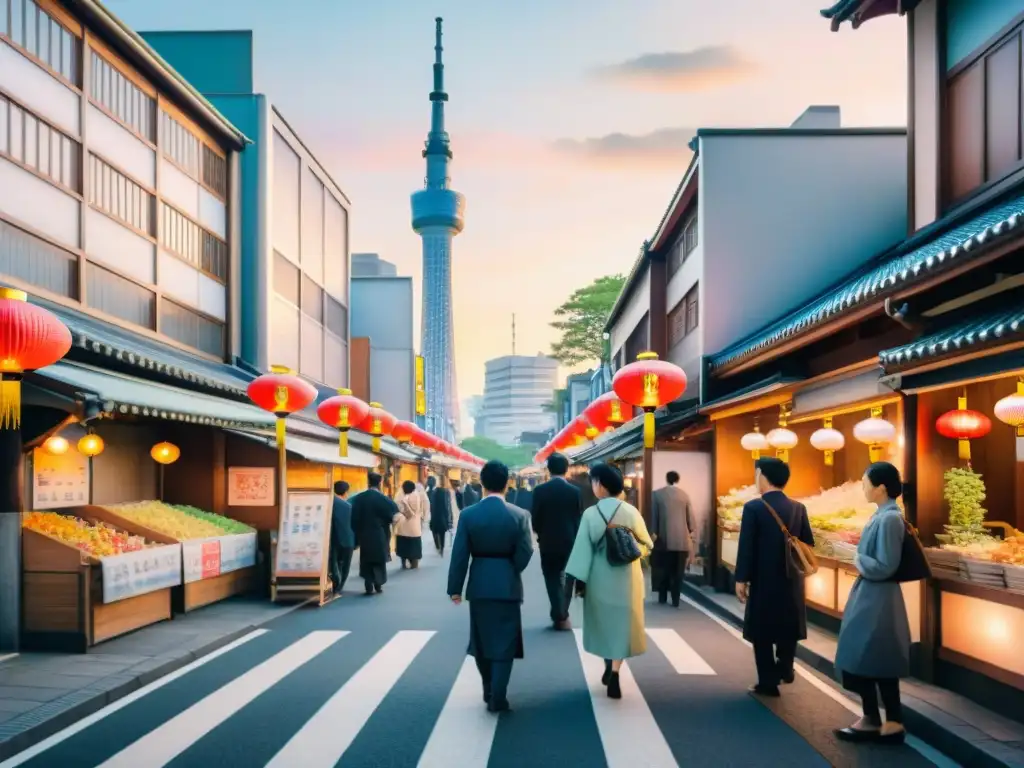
[(97, 540), (964, 491), (730, 506), (182, 523), (944, 563), (1011, 555), (226, 525)]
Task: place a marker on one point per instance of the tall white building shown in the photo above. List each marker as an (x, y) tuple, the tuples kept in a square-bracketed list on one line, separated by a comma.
[(516, 390)]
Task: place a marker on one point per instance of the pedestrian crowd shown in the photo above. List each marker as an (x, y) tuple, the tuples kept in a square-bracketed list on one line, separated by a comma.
[(597, 556)]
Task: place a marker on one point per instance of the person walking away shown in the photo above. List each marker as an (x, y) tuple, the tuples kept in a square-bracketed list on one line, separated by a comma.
[(440, 513), (455, 502), (556, 514), (775, 618), (874, 638), (343, 540), (372, 513), (672, 529), (470, 495), (412, 511), (493, 544), (613, 595)]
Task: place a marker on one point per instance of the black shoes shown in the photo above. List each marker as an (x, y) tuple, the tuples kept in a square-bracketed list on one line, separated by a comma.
[(614, 691), (607, 676), (378, 588), (764, 690)]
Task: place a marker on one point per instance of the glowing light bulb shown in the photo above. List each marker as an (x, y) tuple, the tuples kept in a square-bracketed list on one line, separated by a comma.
[(56, 445), (91, 445)]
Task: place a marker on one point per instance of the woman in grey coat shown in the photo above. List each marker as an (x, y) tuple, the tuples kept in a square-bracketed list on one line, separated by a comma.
[(874, 640)]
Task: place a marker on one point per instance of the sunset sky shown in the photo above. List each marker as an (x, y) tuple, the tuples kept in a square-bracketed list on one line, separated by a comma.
[(569, 120)]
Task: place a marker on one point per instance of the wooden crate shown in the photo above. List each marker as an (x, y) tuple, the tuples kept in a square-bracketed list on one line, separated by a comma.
[(62, 605)]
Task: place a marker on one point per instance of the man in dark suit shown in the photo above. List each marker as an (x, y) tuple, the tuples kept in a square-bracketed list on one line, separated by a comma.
[(775, 619), (343, 541), (441, 515), (557, 509), (470, 495), (372, 513), (492, 544)]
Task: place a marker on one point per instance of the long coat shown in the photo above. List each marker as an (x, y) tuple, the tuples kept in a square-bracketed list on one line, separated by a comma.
[(672, 519), (372, 513), (775, 612), (613, 605), (874, 639), (441, 517), (412, 511)]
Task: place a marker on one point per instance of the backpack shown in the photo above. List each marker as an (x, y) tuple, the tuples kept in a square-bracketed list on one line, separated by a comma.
[(620, 544)]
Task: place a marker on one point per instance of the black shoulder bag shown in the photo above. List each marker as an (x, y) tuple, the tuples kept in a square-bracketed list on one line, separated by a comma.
[(914, 564), (620, 544)]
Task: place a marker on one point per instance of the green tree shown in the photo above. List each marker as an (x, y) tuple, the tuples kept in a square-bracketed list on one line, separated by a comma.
[(581, 320), (514, 456)]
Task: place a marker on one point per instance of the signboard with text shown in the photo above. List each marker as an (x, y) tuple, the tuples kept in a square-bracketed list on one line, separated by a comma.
[(136, 573), (302, 537), (207, 558), (59, 481), (251, 487)]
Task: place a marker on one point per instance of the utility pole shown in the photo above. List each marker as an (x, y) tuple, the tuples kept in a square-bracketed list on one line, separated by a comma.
[(513, 334)]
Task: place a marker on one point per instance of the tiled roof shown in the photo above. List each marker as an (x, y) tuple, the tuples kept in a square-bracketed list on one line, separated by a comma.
[(859, 11), (878, 279), (982, 331)]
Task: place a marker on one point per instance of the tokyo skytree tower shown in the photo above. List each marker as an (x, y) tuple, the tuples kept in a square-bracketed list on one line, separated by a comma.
[(437, 216)]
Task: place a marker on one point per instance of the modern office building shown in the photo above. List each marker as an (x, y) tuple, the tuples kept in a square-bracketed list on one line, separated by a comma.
[(294, 266), (382, 313), (372, 265), (517, 396), (437, 217)]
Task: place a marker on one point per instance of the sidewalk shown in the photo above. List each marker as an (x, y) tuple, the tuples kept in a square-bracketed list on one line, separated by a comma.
[(953, 724), (42, 693)]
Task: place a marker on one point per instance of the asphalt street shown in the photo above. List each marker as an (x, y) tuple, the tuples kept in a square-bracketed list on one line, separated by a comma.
[(384, 682)]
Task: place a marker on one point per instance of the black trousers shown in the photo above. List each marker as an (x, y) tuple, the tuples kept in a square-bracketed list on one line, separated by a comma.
[(774, 662), (667, 570), (495, 676), (341, 564), (869, 688), (559, 586), (439, 540)]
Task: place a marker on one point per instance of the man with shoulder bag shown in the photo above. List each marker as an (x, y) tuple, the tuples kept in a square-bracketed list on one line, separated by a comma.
[(775, 554)]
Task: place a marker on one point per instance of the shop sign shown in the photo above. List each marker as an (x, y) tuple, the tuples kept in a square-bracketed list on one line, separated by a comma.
[(237, 551), (302, 537), (59, 481), (251, 487), (421, 387), (201, 559), (136, 573)]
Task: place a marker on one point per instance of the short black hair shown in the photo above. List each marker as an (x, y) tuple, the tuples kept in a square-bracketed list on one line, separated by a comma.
[(494, 476), (608, 477), (882, 473), (341, 488), (374, 479), (455, 482), (431, 481), (558, 464), (775, 471), (672, 477), (408, 486)]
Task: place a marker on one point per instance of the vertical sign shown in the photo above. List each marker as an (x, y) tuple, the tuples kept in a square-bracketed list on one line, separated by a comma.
[(59, 481), (421, 388)]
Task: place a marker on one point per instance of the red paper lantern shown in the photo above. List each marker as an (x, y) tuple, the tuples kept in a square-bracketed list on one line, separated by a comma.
[(607, 412), (649, 383), (30, 338), (377, 423), (963, 425), (281, 392), (423, 439), (344, 411), (403, 431)]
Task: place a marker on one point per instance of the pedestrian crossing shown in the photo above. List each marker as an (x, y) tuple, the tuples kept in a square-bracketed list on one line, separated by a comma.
[(216, 708)]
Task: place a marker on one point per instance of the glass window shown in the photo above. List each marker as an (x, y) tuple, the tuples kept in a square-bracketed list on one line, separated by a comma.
[(192, 329), (312, 299), (312, 225), (692, 314), (285, 197), (337, 318), (119, 297), (335, 248), (179, 144), (37, 262), (41, 35), (215, 172), (116, 194), (111, 89), (286, 279), (28, 140)]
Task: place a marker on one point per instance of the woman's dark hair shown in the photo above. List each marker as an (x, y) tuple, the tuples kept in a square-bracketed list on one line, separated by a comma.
[(608, 477), (408, 487), (882, 473)]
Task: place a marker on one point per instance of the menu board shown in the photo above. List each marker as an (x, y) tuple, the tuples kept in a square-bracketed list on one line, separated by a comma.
[(302, 539), (251, 487), (206, 558), (59, 481), (136, 573)]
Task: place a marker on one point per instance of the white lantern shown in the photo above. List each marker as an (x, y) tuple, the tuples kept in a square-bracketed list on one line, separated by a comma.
[(782, 440), (1010, 410), (828, 440), (754, 442), (876, 433)]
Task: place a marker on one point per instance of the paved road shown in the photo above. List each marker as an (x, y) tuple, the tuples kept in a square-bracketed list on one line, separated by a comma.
[(382, 682)]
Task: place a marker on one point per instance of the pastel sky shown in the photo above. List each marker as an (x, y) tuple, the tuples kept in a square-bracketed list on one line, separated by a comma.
[(569, 120)]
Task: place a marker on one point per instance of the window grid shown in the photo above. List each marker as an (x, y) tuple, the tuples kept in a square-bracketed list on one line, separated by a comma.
[(194, 244), (191, 329), (121, 97), (215, 172), (336, 318), (28, 140), (685, 245), (38, 33), (113, 192)]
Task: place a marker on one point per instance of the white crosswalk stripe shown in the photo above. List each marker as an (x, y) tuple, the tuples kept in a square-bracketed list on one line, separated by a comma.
[(680, 655), (464, 732)]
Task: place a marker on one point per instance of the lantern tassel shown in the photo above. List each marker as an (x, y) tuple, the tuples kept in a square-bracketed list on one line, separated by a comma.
[(376, 445), (875, 452), (965, 450), (343, 443), (10, 402), (829, 458), (782, 453), (280, 428), (755, 455), (648, 429)]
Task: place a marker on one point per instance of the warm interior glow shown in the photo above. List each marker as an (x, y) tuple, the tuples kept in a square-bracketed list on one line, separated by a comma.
[(983, 630), (56, 445), (165, 453), (91, 445), (820, 588)]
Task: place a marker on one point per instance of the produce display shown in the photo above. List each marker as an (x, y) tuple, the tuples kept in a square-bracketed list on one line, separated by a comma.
[(964, 491), (179, 522), (97, 540), (730, 506), (1010, 552)]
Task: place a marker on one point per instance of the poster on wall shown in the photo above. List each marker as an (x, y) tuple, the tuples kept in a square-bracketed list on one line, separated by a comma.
[(302, 537), (251, 487), (59, 481), (136, 573)]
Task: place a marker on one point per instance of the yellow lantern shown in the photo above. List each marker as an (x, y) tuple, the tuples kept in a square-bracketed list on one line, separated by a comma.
[(828, 440), (754, 442), (91, 445), (165, 453), (876, 433), (55, 445)]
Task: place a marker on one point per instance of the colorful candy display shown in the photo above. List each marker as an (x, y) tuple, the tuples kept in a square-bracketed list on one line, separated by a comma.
[(179, 522), (96, 540)]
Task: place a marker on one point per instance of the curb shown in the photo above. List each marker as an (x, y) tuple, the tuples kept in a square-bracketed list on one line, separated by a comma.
[(67, 717), (919, 724)]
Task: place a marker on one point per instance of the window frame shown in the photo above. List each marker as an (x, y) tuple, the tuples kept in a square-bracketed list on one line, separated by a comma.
[(167, 240), (41, 122), (63, 20), (95, 159), (119, 91)]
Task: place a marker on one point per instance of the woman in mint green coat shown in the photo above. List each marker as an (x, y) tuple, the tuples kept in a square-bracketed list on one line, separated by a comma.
[(613, 595)]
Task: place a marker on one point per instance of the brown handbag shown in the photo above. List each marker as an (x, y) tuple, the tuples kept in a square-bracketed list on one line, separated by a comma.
[(799, 555)]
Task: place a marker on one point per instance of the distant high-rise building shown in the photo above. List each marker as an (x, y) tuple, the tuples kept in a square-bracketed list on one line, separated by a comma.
[(473, 406), (437, 216), (382, 313), (372, 265), (517, 394)]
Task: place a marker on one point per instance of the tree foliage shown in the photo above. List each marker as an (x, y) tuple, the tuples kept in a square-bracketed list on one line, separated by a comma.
[(513, 456), (581, 320)]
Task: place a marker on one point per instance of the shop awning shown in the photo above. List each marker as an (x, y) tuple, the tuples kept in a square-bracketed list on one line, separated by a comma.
[(914, 261), (776, 384), (315, 450), (116, 393)]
